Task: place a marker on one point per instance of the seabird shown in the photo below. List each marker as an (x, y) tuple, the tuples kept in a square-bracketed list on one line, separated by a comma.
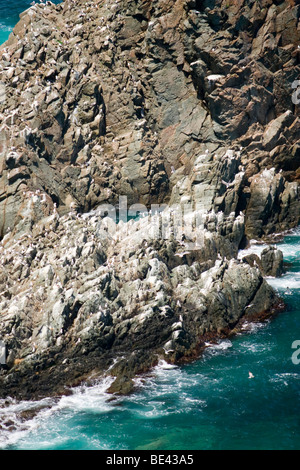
[(249, 306), (227, 184)]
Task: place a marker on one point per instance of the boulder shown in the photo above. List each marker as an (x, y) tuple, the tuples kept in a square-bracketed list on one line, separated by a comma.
[(272, 262)]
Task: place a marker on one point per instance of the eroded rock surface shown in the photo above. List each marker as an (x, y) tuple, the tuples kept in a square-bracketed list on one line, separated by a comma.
[(75, 292), (191, 104)]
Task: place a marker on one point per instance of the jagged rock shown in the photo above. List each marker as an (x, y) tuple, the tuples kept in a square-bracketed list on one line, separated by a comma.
[(123, 100), (268, 203), (272, 262), (272, 132), (185, 105), (121, 386), (102, 292)]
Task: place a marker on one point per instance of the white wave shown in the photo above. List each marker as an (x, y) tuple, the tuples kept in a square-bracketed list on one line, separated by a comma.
[(163, 365), (15, 427), (255, 248), (284, 378), (220, 346), (252, 327), (4, 27), (289, 250), (194, 402), (295, 232), (286, 375), (287, 284), (158, 409), (256, 348), (155, 410), (88, 398)]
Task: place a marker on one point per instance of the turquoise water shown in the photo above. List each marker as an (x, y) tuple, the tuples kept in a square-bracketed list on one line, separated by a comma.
[(210, 404), (9, 15)]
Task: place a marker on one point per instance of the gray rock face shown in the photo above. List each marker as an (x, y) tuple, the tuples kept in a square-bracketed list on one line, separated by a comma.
[(82, 289), (185, 105), (116, 98), (272, 262)]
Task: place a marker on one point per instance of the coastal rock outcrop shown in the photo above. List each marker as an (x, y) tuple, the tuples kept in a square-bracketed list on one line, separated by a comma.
[(116, 298), (119, 98), (186, 109)]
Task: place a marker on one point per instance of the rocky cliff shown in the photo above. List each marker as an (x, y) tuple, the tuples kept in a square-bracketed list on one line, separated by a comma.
[(185, 105)]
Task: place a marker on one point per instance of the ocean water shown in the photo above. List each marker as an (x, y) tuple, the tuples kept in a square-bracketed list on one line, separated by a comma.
[(211, 404), (9, 15)]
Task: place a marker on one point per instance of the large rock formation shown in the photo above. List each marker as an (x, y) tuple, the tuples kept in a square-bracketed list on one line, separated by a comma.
[(80, 296), (191, 104)]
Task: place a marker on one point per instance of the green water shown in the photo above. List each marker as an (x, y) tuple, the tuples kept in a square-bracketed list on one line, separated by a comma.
[(210, 404)]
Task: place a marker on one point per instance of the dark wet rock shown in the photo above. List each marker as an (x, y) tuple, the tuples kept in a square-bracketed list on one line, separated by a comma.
[(121, 386)]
